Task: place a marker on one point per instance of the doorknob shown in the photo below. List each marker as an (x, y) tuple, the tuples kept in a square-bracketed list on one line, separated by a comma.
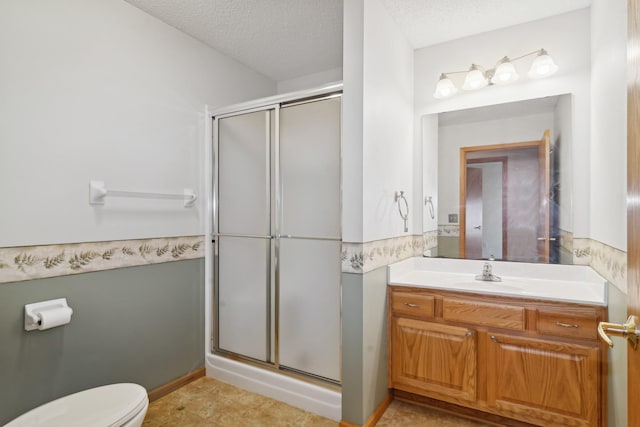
[(629, 330)]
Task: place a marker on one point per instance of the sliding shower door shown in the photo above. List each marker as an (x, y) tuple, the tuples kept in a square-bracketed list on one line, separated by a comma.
[(278, 236), (309, 282), (244, 234)]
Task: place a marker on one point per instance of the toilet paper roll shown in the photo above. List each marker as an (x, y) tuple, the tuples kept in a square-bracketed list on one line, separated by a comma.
[(54, 317)]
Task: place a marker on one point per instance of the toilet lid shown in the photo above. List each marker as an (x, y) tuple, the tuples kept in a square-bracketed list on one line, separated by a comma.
[(110, 405)]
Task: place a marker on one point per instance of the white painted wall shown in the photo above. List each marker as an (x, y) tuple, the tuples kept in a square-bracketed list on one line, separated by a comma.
[(387, 124), (377, 159), (566, 37), (428, 172), (310, 81), (609, 122), (97, 89), (352, 126)]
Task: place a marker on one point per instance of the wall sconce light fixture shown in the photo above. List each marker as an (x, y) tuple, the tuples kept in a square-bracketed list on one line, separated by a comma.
[(503, 72)]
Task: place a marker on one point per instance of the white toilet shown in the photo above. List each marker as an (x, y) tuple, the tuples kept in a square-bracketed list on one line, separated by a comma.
[(115, 405)]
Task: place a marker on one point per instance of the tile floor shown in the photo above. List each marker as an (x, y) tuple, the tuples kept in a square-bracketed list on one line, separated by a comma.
[(208, 402), (402, 414)]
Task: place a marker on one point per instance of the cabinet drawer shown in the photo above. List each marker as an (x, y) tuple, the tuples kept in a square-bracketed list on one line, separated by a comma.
[(570, 325), (483, 313), (412, 304)]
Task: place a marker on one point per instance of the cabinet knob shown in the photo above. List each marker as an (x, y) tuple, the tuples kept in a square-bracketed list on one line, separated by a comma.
[(493, 338), (408, 304)]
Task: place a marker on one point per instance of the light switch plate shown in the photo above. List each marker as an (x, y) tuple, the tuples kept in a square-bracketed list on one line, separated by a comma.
[(453, 218)]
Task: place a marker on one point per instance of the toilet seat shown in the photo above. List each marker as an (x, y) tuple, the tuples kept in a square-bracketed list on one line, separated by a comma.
[(110, 405)]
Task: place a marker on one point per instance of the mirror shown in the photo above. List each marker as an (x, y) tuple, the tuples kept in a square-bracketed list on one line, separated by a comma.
[(497, 182)]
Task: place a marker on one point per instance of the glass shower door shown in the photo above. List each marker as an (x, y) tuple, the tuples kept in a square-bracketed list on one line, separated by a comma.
[(309, 248), (244, 234)]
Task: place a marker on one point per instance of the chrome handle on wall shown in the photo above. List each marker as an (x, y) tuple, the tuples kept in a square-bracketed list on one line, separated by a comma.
[(428, 201), (477, 227), (405, 216)]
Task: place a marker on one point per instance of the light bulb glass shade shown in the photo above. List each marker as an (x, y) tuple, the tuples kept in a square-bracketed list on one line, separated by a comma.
[(475, 79), (445, 88), (542, 66), (505, 73)]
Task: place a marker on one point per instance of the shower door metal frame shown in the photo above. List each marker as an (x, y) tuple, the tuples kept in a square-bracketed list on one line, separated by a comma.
[(272, 237), (268, 104)]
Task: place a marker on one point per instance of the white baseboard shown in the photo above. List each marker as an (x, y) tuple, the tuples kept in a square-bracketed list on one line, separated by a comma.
[(301, 394)]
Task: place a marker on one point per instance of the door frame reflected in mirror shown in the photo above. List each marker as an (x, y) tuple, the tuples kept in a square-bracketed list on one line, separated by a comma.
[(494, 252), (493, 153)]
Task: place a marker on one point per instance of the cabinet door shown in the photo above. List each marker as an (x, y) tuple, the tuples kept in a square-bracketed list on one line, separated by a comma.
[(433, 358), (543, 380)]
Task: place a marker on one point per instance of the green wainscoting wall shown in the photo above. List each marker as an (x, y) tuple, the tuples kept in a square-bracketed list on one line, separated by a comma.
[(138, 324)]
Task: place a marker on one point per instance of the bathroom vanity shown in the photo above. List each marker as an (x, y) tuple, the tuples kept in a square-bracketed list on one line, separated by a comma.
[(525, 348)]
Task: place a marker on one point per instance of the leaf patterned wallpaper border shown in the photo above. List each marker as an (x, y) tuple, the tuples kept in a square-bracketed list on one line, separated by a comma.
[(609, 262), (449, 230), (364, 257), (566, 240), (35, 262)]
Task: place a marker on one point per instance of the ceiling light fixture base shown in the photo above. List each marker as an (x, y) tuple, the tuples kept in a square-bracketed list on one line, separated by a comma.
[(504, 72)]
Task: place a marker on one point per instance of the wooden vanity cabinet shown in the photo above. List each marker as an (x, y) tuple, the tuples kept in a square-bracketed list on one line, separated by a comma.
[(535, 361), (554, 382), (434, 358)]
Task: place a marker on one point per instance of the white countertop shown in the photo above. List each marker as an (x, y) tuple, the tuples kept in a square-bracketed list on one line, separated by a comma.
[(571, 283)]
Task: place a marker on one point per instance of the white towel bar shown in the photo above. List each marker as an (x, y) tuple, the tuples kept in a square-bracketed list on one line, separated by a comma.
[(98, 191)]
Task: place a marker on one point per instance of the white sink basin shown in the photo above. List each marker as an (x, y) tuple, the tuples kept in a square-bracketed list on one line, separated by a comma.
[(571, 283)]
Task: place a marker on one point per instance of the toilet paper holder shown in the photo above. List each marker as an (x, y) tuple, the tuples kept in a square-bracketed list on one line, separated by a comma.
[(34, 313)]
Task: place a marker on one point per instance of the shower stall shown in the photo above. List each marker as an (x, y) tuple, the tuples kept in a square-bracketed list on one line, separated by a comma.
[(277, 236)]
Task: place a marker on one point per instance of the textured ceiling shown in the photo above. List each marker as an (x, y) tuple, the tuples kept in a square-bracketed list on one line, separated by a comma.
[(285, 39), (281, 39), (429, 22)]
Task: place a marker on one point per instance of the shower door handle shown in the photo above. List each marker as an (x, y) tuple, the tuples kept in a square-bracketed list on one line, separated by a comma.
[(283, 236), (253, 236)]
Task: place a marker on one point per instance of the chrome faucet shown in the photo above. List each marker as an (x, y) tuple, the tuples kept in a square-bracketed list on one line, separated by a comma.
[(487, 274)]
